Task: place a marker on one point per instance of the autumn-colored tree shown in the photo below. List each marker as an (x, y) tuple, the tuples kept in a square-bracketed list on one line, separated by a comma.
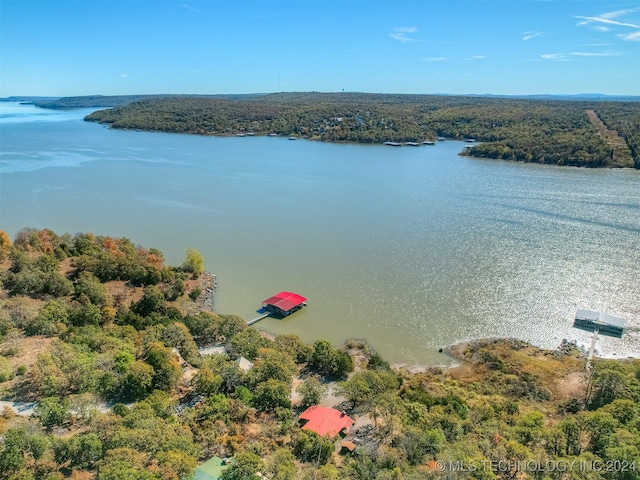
[(5, 245)]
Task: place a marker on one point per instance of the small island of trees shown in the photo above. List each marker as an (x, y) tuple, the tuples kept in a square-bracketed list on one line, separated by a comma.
[(107, 343)]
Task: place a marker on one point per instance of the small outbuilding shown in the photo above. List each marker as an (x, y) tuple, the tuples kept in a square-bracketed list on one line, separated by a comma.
[(211, 469), (347, 447), (325, 421), (244, 364), (284, 303)]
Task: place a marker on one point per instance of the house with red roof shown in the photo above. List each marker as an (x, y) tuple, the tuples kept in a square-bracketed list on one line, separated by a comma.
[(325, 421), (284, 303)]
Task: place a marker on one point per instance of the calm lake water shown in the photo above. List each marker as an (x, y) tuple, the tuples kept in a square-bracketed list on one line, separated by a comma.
[(409, 248)]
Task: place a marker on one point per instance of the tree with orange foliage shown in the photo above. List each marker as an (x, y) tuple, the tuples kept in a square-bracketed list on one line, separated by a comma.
[(5, 245)]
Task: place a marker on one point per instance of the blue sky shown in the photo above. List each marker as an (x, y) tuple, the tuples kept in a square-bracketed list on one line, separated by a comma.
[(513, 47)]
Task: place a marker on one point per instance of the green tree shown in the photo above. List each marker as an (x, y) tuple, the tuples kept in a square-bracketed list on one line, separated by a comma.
[(52, 411), (175, 464), (193, 262), (247, 343), (231, 325), (138, 381), (326, 360), (121, 463), (273, 364), (205, 382), (89, 286), (166, 370), (608, 385), (12, 458), (51, 320), (312, 391), (293, 345), (152, 301), (356, 390), (420, 444), (311, 447), (281, 465), (178, 336), (245, 467), (272, 394)]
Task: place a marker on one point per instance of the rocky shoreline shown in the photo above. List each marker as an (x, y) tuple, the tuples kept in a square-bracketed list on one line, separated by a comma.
[(207, 285)]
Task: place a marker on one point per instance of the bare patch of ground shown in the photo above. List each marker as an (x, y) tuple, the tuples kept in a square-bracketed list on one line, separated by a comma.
[(28, 349), (622, 155)]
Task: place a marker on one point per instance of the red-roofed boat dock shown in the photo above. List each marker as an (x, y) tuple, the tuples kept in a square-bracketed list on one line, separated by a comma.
[(280, 305)]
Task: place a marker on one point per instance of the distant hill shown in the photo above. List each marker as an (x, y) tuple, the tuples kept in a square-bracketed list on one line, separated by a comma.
[(28, 99), (106, 101), (91, 101), (571, 97)]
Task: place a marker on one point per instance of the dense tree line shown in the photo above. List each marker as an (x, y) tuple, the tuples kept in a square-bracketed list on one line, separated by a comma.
[(541, 131), (133, 351)]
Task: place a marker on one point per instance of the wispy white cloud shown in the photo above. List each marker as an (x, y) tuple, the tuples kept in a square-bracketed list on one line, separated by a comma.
[(595, 54), (606, 22), (189, 7), (124, 75), (554, 56), (633, 37), (529, 35), (615, 20), (402, 34), (477, 57), (435, 59)]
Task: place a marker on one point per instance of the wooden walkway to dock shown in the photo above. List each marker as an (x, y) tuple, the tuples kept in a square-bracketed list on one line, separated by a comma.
[(592, 348), (257, 319)]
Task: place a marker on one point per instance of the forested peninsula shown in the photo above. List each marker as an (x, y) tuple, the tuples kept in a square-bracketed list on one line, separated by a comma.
[(106, 349), (586, 133)]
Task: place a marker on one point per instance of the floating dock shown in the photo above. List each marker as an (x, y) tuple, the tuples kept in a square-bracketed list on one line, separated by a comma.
[(601, 322)]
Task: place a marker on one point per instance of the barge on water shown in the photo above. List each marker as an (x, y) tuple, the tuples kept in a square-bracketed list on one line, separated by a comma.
[(602, 322), (284, 303)]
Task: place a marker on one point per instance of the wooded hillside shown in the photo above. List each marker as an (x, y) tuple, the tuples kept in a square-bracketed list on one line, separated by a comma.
[(105, 339), (541, 131)]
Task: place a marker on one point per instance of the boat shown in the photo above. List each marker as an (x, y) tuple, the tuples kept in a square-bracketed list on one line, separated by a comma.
[(393, 144)]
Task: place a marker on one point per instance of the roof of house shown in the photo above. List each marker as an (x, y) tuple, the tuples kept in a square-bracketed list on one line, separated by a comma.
[(244, 364), (349, 445), (325, 421), (210, 470), (285, 301)]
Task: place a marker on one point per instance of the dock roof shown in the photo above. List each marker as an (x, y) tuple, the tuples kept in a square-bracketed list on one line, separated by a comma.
[(600, 318), (325, 421), (285, 301)]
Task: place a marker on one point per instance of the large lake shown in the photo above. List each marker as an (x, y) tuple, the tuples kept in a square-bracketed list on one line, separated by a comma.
[(409, 248)]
